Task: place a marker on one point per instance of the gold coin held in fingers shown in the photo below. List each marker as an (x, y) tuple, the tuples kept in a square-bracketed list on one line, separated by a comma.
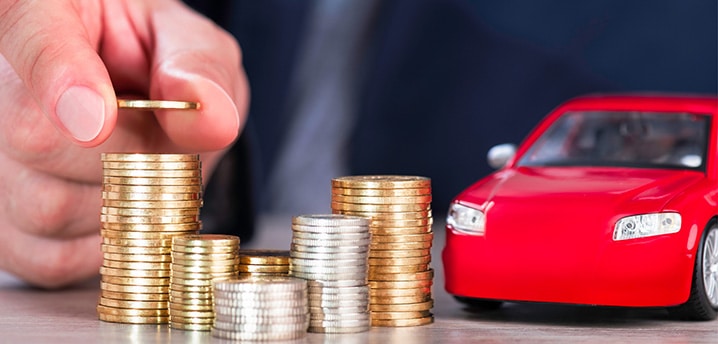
[(140, 104)]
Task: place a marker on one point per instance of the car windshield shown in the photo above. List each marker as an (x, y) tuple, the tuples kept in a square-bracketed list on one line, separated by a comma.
[(622, 138)]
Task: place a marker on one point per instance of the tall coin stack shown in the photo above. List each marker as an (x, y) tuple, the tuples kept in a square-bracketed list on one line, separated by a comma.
[(331, 251), (400, 276), (261, 308), (197, 261), (263, 262), (147, 199)]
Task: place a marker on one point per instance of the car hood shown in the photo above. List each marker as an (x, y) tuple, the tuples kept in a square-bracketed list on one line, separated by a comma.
[(580, 190)]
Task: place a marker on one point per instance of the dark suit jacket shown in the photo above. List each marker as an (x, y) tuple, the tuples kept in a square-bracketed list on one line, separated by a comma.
[(438, 90)]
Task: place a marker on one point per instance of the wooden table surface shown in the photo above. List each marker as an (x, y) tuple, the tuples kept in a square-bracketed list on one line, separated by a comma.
[(29, 315)]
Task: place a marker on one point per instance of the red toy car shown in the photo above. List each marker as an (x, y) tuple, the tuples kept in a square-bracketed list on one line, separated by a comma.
[(612, 200)]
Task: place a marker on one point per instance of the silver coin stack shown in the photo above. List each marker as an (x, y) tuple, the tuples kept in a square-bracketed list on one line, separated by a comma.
[(260, 308), (331, 252)]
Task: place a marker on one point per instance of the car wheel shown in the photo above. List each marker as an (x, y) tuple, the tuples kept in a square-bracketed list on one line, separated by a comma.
[(479, 304), (703, 301)]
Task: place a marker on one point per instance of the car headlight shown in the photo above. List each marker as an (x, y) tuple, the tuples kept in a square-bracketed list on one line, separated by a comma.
[(645, 225), (466, 219)]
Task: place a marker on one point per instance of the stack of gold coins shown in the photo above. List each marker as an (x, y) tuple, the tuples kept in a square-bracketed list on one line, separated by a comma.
[(400, 276), (147, 199), (197, 261), (263, 262), (261, 308), (331, 251)]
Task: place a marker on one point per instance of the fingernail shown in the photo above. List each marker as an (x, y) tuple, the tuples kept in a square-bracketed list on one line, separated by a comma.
[(82, 112)]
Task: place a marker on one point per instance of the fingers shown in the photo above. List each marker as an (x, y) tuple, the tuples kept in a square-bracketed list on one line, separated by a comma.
[(195, 59), (44, 205), (52, 48), (46, 262)]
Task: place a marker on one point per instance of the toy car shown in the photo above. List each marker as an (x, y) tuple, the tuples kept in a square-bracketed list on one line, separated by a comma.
[(611, 200)]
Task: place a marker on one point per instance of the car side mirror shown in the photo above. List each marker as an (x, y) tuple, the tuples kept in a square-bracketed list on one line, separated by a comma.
[(499, 155)]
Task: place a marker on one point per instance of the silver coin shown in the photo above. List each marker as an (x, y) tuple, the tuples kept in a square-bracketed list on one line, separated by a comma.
[(337, 263), (265, 312), (259, 320), (338, 283), (346, 316), (261, 283), (261, 296), (329, 249), (338, 310), (314, 289), (331, 237), (337, 297), (330, 230), (258, 336), (232, 307), (260, 328), (328, 256), (343, 303), (330, 220), (331, 243), (340, 323), (329, 276), (331, 270), (318, 329)]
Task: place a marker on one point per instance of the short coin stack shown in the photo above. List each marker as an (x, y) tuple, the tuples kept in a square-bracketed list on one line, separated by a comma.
[(147, 199), (263, 262), (400, 275), (331, 251), (197, 261), (261, 308)]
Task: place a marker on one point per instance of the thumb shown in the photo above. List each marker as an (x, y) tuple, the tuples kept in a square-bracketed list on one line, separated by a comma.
[(51, 45)]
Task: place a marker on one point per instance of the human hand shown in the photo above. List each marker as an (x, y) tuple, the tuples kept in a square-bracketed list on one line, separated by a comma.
[(61, 64)]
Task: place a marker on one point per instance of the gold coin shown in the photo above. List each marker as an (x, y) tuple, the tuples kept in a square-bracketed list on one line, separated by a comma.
[(391, 215), (381, 182), (402, 322), (194, 211), (133, 304), (204, 249), (377, 223), (189, 258), (399, 315), (163, 165), (384, 200), (149, 220), (410, 276), (392, 292), (144, 157), (137, 281), (151, 204), (113, 234), (134, 250), (198, 295), (133, 319), (181, 283), (201, 275), (426, 237), (186, 307), (120, 288), (164, 258), (400, 253), (376, 262), (262, 274), (254, 268), (170, 227), (136, 265), (178, 320), (398, 285), (151, 177), (203, 262), (174, 189), (132, 312), (192, 314), (339, 207), (399, 269), (141, 104), (138, 242), (160, 197), (181, 302), (392, 300), (400, 245), (107, 271), (206, 288), (381, 192), (190, 326), (264, 257), (134, 296), (401, 230), (212, 269), (208, 240), (194, 175), (408, 307)]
